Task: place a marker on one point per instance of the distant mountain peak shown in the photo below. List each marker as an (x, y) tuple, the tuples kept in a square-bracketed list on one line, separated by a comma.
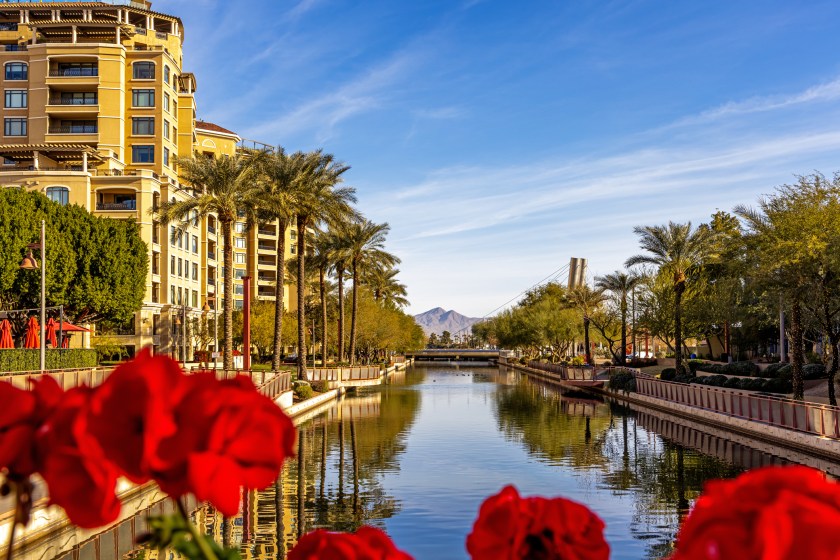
[(439, 319)]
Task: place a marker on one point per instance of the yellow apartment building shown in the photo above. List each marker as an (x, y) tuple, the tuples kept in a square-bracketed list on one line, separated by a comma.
[(96, 107)]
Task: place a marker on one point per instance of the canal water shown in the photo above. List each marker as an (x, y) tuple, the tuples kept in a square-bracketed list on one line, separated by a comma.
[(418, 456)]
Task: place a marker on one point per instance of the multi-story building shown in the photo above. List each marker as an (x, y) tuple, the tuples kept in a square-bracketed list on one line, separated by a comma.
[(96, 107)]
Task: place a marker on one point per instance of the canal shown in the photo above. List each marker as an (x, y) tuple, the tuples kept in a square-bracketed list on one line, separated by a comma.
[(417, 457)]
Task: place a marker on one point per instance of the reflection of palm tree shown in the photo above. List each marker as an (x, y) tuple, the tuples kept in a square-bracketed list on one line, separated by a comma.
[(301, 485)]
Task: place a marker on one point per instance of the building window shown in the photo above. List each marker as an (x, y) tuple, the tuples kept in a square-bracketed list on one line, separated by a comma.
[(165, 74), (239, 242), (156, 323), (166, 102), (172, 296), (166, 157), (155, 262), (239, 273), (180, 239), (180, 267), (238, 289), (166, 129), (59, 194), (144, 71), (15, 127), (143, 154), (17, 71), (292, 235), (143, 97), (7, 161), (239, 227), (195, 244), (195, 298), (143, 126), (237, 304), (16, 98), (180, 295), (175, 107), (292, 249), (155, 299), (172, 265), (78, 69), (239, 258), (195, 271)]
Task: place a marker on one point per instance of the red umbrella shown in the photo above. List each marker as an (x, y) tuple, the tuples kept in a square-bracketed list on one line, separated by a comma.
[(67, 327), (50, 333), (65, 342), (32, 339), (6, 334)]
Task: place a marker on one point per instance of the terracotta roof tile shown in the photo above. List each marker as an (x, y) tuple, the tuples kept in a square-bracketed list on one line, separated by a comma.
[(204, 125)]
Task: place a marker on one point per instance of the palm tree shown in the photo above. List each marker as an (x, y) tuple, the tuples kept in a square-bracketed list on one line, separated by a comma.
[(620, 283), (586, 301), (321, 259), (337, 242), (365, 247), (383, 284), (223, 187), (319, 199), (679, 251), (281, 174)]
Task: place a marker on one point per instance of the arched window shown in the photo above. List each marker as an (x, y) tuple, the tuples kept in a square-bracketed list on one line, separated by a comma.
[(144, 71), (17, 71), (166, 74), (59, 194)]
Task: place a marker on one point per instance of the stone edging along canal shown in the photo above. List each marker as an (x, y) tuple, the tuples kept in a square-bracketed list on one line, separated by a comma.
[(822, 447)]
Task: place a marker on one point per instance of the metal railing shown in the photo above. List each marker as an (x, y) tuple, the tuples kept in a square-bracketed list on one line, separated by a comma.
[(812, 418), (74, 73), (57, 100), (8, 26), (127, 205), (567, 373), (341, 374), (211, 229), (130, 3), (11, 48), (74, 129)]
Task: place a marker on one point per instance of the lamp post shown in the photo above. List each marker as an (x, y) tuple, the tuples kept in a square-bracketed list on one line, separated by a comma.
[(29, 263)]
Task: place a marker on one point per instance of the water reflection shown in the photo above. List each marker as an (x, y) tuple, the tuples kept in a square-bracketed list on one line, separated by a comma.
[(417, 457)]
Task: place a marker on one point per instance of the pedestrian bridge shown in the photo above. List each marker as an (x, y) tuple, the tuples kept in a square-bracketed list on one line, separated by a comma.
[(455, 355)]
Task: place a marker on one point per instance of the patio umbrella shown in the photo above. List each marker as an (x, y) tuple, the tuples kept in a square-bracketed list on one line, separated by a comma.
[(32, 340), (67, 327), (65, 342), (50, 332), (6, 334)]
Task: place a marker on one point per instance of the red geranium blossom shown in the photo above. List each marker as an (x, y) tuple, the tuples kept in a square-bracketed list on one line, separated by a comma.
[(21, 414), (368, 543), (79, 476), (133, 411), (510, 527), (773, 513)]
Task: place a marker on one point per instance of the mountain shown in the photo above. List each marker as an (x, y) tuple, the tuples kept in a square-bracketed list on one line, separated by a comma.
[(438, 320)]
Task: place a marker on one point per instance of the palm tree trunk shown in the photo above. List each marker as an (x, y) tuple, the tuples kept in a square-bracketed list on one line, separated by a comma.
[(624, 329), (340, 274), (679, 288), (279, 281), (301, 286), (321, 273), (354, 311), (587, 352), (796, 349), (227, 258)]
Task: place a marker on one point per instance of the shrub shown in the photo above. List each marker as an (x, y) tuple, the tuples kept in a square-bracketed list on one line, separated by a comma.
[(24, 359), (694, 365), (684, 378), (668, 374), (622, 381), (712, 380), (303, 390), (814, 371)]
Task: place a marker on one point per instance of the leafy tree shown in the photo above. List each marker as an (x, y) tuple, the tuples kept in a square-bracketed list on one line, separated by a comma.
[(433, 340), (446, 339), (586, 301), (679, 251), (223, 187), (620, 283), (96, 267)]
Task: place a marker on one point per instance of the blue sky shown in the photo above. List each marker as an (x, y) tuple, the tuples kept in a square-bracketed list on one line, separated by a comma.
[(501, 138)]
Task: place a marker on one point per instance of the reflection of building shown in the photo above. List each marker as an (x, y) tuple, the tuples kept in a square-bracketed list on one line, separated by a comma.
[(97, 105)]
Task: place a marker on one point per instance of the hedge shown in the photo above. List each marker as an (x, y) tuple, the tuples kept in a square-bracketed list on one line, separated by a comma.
[(735, 368), (622, 381), (24, 359), (746, 383), (785, 372)]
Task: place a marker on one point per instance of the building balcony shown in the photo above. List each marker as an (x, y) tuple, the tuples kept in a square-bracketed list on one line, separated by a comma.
[(13, 48), (271, 232), (74, 129), (74, 72), (266, 247), (211, 256), (66, 107), (125, 206)]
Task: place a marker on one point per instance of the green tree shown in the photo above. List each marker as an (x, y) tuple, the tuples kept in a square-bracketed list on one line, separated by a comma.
[(96, 267), (319, 199), (383, 283), (223, 187), (586, 301), (446, 339), (679, 251), (620, 283)]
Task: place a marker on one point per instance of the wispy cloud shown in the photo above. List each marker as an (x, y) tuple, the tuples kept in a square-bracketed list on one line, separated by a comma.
[(302, 8)]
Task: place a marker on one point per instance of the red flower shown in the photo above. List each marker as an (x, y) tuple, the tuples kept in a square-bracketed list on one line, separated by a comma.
[(510, 527), (21, 414), (132, 412), (229, 436), (79, 477), (368, 543), (774, 513)]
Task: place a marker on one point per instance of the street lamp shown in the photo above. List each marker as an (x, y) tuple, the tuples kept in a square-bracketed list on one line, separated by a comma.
[(29, 263)]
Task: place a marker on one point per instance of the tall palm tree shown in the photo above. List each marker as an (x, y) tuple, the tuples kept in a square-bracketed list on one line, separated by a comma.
[(677, 250), (336, 240), (322, 259), (620, 283), (280, 175), (586, 300), (223, 187), (365, 247), (384, 286), (319, 199)]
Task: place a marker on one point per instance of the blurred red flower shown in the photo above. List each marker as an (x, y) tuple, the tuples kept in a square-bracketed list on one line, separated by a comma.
[(21, 414), (778, 513), (510, 527), (368, 543)]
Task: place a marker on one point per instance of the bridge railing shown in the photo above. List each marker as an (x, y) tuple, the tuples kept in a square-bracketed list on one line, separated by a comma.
[(813, 418), (352, 373), (569, 373), (66, 378)]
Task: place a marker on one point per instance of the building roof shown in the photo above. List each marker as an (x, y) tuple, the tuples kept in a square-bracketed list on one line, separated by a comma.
[(211, 127)]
